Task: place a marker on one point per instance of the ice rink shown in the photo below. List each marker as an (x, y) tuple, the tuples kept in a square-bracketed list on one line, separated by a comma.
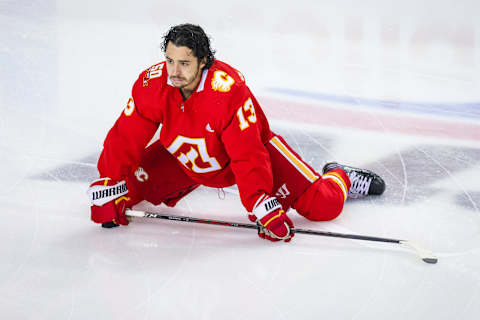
[(388, 85)]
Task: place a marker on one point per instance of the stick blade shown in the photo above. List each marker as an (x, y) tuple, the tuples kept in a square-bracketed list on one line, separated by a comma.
[(426, 255), (430, 260)]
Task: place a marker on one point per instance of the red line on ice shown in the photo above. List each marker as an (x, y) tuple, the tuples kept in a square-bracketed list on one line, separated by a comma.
[(368, 120)]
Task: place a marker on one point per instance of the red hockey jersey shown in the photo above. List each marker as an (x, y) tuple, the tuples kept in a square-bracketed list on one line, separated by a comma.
[(218, 135)]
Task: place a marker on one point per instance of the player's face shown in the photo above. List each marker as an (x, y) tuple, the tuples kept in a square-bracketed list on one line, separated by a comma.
[(184, 69)]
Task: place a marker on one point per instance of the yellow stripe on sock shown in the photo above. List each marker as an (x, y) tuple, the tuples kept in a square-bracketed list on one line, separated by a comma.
[(304, 170), (338, 180)]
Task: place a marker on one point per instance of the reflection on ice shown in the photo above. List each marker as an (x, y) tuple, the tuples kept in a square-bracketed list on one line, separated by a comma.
[(66, 73)]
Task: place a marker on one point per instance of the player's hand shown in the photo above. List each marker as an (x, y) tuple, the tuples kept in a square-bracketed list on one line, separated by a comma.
[(109, 200), (273, 224)]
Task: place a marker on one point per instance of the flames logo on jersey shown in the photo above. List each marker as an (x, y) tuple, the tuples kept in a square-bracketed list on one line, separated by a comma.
[(221, 81), (193, 154)]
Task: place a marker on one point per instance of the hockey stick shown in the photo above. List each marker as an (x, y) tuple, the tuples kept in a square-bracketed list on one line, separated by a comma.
[(426, 255)]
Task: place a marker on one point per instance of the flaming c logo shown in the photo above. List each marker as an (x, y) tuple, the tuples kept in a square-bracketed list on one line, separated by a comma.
[(221, 81)]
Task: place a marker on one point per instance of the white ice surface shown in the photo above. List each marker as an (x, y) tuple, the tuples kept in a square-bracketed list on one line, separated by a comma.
[(66, 69)]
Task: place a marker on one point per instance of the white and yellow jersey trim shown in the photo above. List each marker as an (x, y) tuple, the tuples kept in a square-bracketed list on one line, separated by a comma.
[(294, 160)]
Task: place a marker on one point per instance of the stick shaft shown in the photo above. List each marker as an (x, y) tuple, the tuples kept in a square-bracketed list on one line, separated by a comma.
[(134, 213), (426, 255)]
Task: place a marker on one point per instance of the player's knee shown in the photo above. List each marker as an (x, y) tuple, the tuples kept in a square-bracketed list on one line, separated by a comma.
[(321, 212), (326, 212), (319, 204)]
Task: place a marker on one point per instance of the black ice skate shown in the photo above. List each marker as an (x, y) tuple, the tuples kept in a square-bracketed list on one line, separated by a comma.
[(362, 182)]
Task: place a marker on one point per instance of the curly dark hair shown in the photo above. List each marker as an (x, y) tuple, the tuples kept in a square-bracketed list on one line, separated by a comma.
[(193, 37)]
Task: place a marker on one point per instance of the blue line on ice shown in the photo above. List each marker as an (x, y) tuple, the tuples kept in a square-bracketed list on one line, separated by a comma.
[(465, 110)]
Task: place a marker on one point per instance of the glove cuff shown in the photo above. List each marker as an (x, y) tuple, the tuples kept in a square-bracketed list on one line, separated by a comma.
[(101, 194), (265, 205)]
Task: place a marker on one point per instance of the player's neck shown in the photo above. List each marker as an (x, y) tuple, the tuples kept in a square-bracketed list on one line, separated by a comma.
[(186, 93), (188, 90)]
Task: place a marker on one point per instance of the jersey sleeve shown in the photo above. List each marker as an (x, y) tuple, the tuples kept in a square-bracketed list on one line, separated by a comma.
[(127, 139), (244, 139)]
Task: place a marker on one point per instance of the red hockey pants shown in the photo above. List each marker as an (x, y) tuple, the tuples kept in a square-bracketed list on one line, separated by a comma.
[(160, 179)]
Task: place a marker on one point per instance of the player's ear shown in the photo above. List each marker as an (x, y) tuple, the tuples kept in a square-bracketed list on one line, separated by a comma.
[(203, 63)]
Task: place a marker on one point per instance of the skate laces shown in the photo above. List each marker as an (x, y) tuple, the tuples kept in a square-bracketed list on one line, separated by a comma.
[(359, 184)]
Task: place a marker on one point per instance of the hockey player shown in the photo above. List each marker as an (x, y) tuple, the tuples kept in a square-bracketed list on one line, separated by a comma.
[(213, 133)]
